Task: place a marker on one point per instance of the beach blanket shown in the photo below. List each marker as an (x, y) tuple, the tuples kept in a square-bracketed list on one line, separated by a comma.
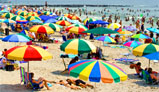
[(126, 60)]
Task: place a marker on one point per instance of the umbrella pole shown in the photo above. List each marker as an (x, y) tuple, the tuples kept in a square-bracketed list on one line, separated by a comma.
[(64, 63), (95, 87), (149, 63), (28, 66)]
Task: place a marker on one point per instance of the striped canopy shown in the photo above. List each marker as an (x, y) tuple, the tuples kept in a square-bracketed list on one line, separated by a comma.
[(17, 17), (47, 13), (63, 18), (22, 21), (140, 36), (75, 18), (7, 15), (77, 46), (23, 13), (63, 23), (41, 29), (28, 53), (105, 39), (68, 15), (9, 21), (114, 26), (77, 25), (30, 18), (132, 43), (145, 49), (88, 20), (96, 71), (76, 30), (55, 27), (32, 14)]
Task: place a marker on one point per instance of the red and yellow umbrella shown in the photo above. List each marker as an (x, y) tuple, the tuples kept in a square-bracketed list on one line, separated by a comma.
[(43, 29), (75, 18), (28, 53), (63, 23), (32, 14), (76, 30), (68, 16)]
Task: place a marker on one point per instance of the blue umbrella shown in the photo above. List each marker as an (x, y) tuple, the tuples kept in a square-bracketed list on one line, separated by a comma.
[(99, 22), (45, 17), (155, 30), (36, 21), (16, 38), (51, 20)]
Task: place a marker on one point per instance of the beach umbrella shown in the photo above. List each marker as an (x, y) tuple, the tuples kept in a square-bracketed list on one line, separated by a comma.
[(75, 18), (100, 30), (16, 38), (36, 21), (99, 22), (27, 53), (145, 49), (125, 33), (140, 36), (132, 43), (9, 21), (32, 14), (4, 11), (41, 29), (30, 18), (8, 15), (76, 30), (63, 18), (24, 32), (68, 15), (88, 20), (22, 21), (23, 13), (105, 39), (77, 25), (55, 27), (130, 28), (114, 26), (155, 30), (51, 20), (47, 13), (75, 21), (63, 23), (45, 17), (97, 71), (77, 46), (17, 17)]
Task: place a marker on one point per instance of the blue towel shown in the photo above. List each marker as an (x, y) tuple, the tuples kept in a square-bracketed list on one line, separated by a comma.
[(50, 85)]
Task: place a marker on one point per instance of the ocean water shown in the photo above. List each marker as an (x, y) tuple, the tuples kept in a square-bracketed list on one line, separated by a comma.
[(92, 2)]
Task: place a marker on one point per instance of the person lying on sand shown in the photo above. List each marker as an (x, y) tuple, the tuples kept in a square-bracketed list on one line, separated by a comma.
[(61, 82), (79, 82), (137, 67), (41, 81)]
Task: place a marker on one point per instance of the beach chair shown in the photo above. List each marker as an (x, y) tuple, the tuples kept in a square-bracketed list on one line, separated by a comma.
[(147, 78)]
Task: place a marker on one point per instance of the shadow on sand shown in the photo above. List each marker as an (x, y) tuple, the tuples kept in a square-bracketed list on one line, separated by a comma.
[(61, 73)]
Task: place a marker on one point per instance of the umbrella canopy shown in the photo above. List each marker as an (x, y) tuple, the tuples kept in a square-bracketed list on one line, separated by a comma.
[(140, 36), (51, 20), (100, 30), (47, 13), (155, 30), (105, 39), (145, 49), (54, 26), (77, 25), (68, 16), (152, 56), (99, 22), (96, 71), (28, 53), (30, 18), (16, 38), (8, 15), (9, 21), (22, 21), (114, 26), (75, 18), (63, 23), (32, 14), (130, 28), (4, 11), (63, 18), (88, 20), (132, 43), (36, 21), (125, 33), (41, 29), (80, 46), (17, 17), (45, 17), (23, 13), (76, 30)]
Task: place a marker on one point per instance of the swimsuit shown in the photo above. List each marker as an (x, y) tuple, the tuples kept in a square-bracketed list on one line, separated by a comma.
[(79, 81)]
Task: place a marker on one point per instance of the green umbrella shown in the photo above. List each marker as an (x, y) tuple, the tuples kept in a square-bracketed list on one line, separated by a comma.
[(100, 30), (17, 17)]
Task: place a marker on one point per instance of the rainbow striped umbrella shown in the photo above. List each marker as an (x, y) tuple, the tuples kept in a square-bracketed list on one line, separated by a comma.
[(114, 26), (47, 13), (30, 18), (22, 21), (140, 36), (41, 29), (8, 15), (132, 43), (145, 49), (54, 26), (96, 71), (88, 20), (63, 18), (63, 23), (105, 39), (28, 53), (17, 17), (32, 14), (80, 46)]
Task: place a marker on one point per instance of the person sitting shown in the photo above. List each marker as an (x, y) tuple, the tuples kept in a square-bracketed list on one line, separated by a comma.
[(153, 75), (74, 60), (41, 81), (79, 82), (61, 82), (137, 67)]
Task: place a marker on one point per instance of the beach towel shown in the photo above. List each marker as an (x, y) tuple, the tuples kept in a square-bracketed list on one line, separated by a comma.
[(126, 60)]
